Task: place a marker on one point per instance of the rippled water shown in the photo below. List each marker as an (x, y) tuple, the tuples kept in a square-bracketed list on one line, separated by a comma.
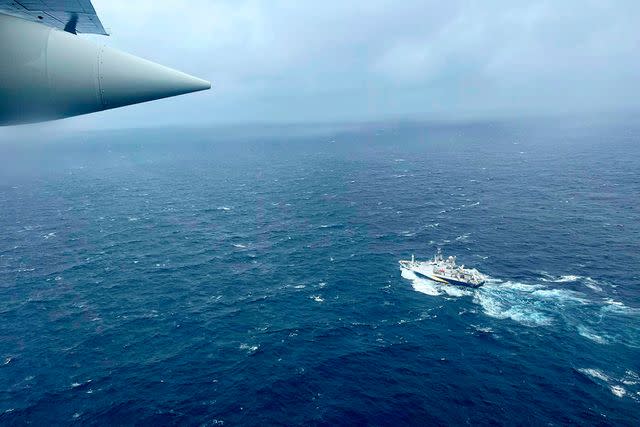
[(208, 277)]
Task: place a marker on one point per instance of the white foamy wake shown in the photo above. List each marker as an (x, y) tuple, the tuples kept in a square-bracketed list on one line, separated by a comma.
[(571, 278), (424, 286), (509, 305), (432, 288), (455, 291), (560, 294), (536, 305), (529, 305)]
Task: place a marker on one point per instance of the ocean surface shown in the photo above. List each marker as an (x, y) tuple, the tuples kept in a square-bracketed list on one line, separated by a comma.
[(250, 276)]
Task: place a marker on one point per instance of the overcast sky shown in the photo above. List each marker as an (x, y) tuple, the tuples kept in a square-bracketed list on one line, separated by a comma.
[(326, 60)]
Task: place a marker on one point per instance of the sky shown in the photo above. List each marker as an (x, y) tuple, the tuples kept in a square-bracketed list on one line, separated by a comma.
[(336, 60)]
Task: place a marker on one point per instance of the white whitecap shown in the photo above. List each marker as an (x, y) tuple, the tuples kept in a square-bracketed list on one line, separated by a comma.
[(76, 384), (591, 335), (630, 378), (567, 278), (594, 373), (618, 390), (483, 329), (463, 238), (249, 348), (593, 286), (618, 307)]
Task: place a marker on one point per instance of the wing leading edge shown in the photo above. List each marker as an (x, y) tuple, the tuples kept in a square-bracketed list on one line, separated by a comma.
[(61, 14)]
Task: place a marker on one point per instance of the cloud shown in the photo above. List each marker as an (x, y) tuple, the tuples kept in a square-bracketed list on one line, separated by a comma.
[(335, 60)]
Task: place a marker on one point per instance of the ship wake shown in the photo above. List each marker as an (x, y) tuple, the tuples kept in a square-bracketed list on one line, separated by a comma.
[(543, 304)]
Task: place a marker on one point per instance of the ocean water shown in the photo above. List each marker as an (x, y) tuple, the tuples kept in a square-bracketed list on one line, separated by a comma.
[(250, 276)]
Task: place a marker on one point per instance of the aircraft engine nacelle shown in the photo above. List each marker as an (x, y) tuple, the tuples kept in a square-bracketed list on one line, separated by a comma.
[(50, 74)]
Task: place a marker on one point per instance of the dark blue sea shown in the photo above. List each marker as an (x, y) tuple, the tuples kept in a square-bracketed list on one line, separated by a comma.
[(249, 275)]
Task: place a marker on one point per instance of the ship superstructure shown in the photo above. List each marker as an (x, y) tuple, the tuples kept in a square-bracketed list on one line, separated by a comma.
[(444, 270)]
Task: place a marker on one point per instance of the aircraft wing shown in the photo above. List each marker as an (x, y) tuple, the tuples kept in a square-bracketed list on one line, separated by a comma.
[(46, 74), (74, 16)]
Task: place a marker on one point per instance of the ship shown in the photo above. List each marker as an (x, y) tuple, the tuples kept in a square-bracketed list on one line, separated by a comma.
[(444, 270)]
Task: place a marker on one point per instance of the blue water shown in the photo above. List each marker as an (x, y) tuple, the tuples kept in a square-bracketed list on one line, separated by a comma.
[(250, 276)]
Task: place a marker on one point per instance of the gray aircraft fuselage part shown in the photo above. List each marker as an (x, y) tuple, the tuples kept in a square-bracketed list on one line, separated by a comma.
[(48, 74)]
